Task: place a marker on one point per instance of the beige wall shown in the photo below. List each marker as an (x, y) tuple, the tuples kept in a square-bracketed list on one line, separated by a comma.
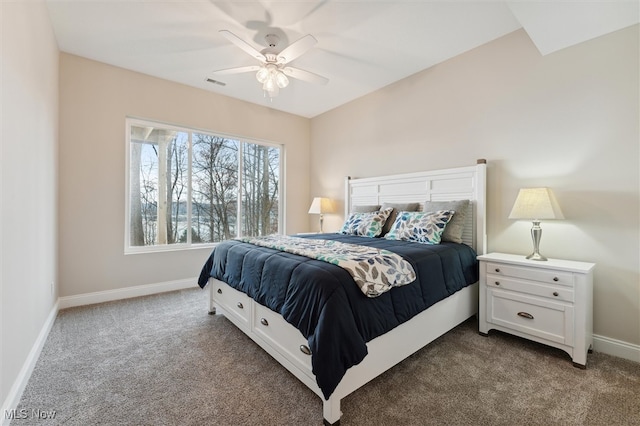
[(28, 194), (94, 100), (568, 120)]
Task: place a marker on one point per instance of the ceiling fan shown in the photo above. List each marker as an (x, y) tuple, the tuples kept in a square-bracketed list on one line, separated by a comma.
[(273, 70)]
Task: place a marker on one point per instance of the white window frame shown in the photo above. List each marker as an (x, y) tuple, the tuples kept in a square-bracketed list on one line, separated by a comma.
[(132, 121)]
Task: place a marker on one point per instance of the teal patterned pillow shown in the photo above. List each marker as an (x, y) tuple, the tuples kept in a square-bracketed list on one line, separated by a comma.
[(366, 224), (420, 227)]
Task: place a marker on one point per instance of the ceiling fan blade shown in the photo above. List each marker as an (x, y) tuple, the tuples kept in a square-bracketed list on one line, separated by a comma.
[(243, 45), (296, 49), (237, 70), (305, 75)]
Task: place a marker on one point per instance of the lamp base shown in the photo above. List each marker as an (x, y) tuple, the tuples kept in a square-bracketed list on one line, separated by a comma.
[(536, 256), (536, 234)]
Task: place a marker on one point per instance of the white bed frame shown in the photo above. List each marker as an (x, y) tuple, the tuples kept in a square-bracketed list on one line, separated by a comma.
[(287, 345)]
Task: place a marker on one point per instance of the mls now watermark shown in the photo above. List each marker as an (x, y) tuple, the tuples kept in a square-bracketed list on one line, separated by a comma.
[(34, 413)]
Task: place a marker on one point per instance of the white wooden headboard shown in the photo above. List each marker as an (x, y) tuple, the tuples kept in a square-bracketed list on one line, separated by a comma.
[(461, 183)]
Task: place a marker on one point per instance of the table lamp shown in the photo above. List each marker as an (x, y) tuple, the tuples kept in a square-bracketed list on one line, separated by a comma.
[(321, 206), (536, 204)]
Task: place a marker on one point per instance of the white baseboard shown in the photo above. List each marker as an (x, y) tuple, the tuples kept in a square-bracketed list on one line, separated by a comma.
[(617, 348), (13, 398), (125, 293)]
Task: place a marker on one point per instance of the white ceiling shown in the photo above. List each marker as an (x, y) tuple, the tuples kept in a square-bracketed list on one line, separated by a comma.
[(362, 45)]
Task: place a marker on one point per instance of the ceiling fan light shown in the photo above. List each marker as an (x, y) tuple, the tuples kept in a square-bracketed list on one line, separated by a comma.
[(270, 85), (270, 71), (262, 74), (281, 80), (273, 93)]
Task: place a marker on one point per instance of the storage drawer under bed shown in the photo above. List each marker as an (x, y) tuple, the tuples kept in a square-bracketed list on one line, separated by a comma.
[(282, 336), (234, 302)]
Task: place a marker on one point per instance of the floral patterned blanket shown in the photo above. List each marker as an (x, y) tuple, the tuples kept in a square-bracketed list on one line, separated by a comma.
[(374, 270)]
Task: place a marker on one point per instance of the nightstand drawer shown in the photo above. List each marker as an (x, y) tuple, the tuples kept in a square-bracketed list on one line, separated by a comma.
[(537, 274), (531, 315), (554, 292)]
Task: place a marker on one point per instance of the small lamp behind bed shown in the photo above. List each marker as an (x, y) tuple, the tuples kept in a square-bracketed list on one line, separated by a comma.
[(321, 206), (536, 204)]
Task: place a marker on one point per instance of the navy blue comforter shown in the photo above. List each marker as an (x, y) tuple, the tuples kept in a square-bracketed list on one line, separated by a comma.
[(325, 304)]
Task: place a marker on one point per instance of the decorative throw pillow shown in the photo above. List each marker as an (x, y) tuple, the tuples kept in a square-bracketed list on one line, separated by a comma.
[(365, 209), (420, 227), (453, 230), (397, 207), (366, 224)]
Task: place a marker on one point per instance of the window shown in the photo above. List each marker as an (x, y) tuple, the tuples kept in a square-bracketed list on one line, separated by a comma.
[(187, 187)]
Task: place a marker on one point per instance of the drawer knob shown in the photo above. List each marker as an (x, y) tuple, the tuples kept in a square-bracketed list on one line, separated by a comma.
[(497, 269), (526, 315), (219, 291), (497, 282), (305, 349), (555, 293), (264, 321), (556, 279), (240, 305)]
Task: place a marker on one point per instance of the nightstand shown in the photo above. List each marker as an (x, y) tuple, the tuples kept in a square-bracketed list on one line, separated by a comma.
[(549, 302)]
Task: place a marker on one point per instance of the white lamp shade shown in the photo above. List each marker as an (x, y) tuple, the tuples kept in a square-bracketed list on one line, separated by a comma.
[(321, 205), (536, 204)]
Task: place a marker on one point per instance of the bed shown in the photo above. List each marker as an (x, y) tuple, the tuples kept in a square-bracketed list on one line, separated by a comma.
[(312, 317)]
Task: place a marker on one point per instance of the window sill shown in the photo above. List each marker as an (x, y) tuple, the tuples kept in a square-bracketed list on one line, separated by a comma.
[(165, 249)]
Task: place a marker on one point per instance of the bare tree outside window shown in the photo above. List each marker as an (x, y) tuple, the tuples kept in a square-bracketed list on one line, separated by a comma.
[(188, 187), (215, 187), (260, 195)]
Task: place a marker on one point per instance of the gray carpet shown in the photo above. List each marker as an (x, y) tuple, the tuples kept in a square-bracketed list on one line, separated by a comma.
[(161, 360)]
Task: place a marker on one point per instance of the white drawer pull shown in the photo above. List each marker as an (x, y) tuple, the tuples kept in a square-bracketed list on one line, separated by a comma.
[(240, 305), (264, 321), (525, 315), (305, 349)]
